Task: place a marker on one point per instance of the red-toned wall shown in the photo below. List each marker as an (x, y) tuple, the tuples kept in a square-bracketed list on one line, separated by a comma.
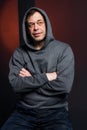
[(9, 30)]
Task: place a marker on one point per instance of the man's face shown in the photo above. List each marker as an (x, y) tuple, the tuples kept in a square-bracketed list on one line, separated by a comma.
[(36, 27)]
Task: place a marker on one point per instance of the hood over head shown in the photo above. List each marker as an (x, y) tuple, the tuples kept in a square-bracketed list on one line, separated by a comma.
[(49, 34)]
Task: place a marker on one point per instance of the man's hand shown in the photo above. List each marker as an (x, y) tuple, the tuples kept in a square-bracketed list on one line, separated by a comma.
[(51, 76), (24, 73)]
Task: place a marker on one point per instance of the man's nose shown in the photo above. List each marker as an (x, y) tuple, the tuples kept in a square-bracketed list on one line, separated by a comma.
[(36, 26)]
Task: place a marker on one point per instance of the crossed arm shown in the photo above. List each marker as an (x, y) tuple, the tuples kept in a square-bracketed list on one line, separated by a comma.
[(25, 73), (22, 80)]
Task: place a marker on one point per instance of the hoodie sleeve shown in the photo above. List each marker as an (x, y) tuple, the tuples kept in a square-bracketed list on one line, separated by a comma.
[(65, 70), (23, 84)]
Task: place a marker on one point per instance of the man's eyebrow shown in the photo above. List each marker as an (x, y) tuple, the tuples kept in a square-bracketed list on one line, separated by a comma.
[(36, 21), (40, 20)]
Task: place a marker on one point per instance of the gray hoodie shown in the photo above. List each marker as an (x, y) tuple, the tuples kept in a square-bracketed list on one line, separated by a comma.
[(36, 91)]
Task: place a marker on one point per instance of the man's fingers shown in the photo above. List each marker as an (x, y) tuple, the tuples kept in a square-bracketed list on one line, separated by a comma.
[(24, 72), (54, 74), (22, 75), (51, 76)]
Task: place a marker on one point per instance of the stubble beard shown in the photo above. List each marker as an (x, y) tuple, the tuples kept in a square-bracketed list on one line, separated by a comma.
[(38, 42)]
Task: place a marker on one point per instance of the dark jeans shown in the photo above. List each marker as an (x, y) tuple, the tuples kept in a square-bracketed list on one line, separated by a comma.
[(38, 119)]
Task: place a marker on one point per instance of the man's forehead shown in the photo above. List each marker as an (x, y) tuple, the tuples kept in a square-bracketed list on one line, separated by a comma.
[(35, 16)]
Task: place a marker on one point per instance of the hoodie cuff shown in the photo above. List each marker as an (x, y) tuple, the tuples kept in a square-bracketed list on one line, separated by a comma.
[(44, 78)]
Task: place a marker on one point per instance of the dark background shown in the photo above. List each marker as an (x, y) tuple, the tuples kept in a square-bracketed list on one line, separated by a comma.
[(69, 22)]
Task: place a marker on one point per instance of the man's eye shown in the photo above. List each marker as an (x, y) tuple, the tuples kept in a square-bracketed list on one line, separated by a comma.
[(40, 22), (30, 25)]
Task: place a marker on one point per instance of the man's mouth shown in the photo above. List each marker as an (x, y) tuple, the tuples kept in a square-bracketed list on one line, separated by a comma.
[(37, 34)]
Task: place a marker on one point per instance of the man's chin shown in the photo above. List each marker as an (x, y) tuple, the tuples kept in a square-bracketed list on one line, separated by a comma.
[(38, 41)]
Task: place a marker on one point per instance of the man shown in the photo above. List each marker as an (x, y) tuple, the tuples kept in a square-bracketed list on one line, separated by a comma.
[(41, 72)]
